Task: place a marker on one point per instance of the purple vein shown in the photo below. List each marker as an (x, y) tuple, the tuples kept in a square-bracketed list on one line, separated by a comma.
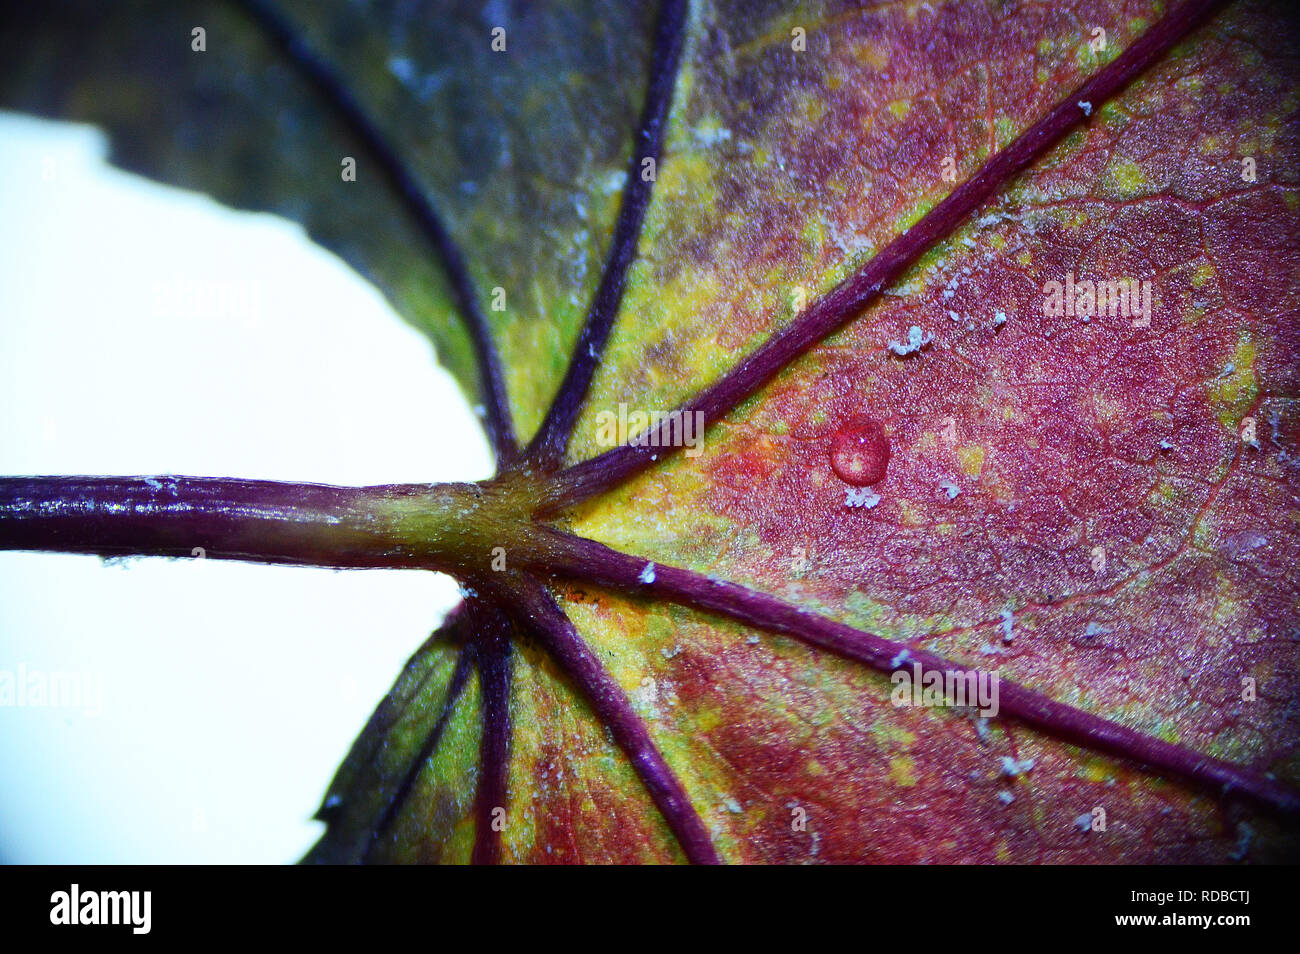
[(588, 560), (335, 91), (389, 711), (552, 437), (492, 653), (459, 678), (539, 612), (847, 300), (261, 521)]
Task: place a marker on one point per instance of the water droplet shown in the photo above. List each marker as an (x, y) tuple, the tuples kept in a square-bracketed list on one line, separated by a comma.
[(860, 452)]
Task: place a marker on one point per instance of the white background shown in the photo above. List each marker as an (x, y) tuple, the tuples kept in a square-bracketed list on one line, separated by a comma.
[(231, 692)]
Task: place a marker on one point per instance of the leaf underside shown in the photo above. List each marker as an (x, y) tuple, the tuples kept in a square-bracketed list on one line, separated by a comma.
[(1070, 503)]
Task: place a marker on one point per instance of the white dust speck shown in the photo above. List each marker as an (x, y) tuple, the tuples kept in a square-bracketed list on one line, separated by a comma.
[(1011, 768), (707, 137), (1245, 835), (614, 182), (1086, 107), (402, 68), (647, 574), (1241, 544), (915, 342), (860, 497), (646, 695)]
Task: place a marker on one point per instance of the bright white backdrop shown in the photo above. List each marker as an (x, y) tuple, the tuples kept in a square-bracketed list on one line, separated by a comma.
[(147, 330)]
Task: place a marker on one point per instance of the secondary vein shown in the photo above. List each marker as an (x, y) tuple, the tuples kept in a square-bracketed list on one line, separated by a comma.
[(591, 561), (335, 92), (848, 299), (547, 446)]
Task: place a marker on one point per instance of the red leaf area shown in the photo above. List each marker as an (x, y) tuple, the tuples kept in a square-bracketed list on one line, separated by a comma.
[(1075, 502)]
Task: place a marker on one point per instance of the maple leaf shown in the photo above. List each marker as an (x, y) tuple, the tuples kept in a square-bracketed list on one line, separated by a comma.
[(936, 340)]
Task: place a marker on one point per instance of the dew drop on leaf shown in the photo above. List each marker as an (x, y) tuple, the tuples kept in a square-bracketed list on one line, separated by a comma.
[(860, 451)]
